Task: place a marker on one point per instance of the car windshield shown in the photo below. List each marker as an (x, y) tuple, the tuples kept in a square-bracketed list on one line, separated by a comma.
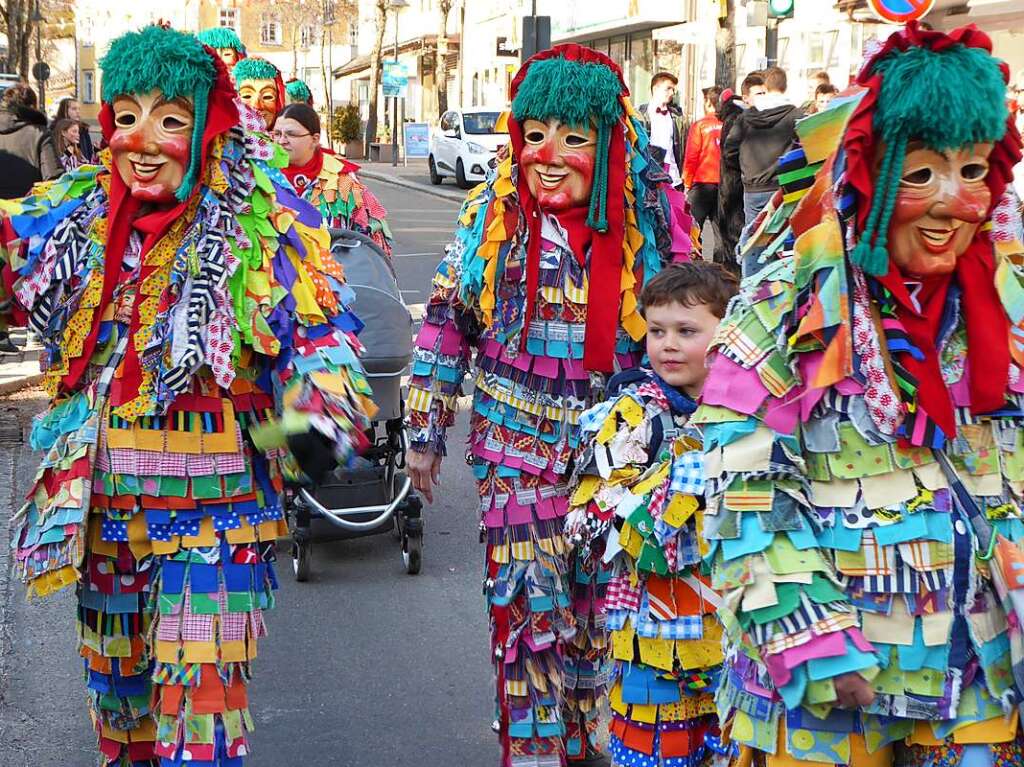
[(480, 123)]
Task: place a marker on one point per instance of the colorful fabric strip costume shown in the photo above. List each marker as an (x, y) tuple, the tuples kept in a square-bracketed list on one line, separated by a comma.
[(193, 319), (519, 288), (641, 462), (863, 428), (329, 182)]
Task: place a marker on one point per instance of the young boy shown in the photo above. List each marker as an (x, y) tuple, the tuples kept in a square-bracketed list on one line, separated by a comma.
[(636, 519)]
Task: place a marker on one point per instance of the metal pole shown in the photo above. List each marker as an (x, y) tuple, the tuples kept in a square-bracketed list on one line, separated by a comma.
[(771, 42), (394, 106), (39, 57)]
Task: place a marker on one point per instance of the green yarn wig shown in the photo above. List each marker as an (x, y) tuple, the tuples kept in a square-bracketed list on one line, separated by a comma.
[(577, 93), (946, 99), (221, 37), (298, 92), (176, 64), (254, 69)]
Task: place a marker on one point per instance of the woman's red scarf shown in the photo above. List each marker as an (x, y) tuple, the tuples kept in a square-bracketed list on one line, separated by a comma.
[(301, 176), (124, 215), (988, 328)]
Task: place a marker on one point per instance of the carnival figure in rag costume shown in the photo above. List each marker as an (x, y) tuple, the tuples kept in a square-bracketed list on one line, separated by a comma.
[(863, 429), (298, 92), (541, 283), (227, 44), (327, 181), (260, 87), (194, 326)]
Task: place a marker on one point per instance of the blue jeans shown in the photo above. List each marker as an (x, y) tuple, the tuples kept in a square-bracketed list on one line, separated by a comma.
[(753, 202)]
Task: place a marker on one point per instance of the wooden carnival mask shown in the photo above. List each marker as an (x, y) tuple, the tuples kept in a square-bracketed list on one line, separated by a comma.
[(941, 200), (558, 161), (151, 143), (262, 95)]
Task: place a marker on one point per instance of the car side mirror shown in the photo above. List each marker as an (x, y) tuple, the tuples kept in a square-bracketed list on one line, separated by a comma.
[(451, 133)]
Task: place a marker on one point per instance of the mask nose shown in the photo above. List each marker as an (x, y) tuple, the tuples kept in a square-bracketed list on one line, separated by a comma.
[(960, 200)]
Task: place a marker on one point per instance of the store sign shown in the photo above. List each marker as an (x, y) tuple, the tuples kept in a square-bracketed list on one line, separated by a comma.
[(417, 139), (504, 48), (395, 80), (900, 11)]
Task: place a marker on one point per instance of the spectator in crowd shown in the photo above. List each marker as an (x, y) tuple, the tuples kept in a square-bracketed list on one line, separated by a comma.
[(702, 165), (67, 137), (729, 215), (757, 140), (823, 96), (26, 147), (665, 124), (70, 109), (817, 80)]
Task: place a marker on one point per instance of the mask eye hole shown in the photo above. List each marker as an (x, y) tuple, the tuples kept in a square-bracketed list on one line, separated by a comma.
[(172, 123), (575, 139), (126, 120), (974, 171), (919, 177), (534, 136)]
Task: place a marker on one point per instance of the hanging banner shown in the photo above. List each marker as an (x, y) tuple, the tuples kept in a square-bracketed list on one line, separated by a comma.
[(396, 79), (900, 11)]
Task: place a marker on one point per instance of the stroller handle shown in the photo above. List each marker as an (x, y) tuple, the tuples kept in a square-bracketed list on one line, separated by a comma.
[(337, 516)]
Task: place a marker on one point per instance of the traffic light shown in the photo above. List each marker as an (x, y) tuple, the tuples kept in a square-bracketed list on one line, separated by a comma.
[(780, 9)]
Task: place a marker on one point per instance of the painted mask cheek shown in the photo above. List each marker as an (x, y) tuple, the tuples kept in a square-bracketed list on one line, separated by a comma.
[(581, 161), (176, 148)]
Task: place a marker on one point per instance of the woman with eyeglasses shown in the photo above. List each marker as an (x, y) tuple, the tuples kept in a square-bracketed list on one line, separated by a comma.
[(325, 180)]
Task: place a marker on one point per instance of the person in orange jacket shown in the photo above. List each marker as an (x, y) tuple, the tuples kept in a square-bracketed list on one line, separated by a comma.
[(701, 165)]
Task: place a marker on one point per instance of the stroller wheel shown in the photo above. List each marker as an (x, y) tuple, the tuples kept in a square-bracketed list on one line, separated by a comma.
[(302, 554), (412, 554)]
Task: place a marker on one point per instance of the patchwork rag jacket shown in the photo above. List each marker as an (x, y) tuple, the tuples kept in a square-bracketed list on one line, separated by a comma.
[(637, 507)]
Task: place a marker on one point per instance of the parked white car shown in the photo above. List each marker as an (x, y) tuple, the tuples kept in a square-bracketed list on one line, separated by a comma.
[(464, 145)]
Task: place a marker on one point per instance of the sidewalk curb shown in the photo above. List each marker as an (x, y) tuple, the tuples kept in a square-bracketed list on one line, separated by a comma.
[(414, 185), (9, 387)]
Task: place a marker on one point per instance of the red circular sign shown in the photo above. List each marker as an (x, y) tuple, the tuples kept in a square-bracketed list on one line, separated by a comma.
[(900, 11)]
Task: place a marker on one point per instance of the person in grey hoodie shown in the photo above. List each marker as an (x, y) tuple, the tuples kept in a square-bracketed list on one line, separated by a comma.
[(27, 154), (759, 137)]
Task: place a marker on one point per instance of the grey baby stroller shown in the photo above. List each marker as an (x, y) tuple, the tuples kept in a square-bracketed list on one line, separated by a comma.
[(374, 496)]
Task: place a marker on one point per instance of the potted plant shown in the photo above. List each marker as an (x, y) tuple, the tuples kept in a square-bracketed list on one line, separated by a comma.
[(347, 129)]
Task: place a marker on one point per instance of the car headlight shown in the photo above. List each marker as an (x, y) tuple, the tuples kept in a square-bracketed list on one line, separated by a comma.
[(476, 148)]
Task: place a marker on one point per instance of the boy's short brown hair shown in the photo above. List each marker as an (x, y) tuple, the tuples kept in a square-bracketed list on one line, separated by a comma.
[(775, 80), (695, 282)]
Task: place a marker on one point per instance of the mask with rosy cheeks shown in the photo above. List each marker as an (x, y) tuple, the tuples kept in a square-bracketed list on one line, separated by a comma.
[(941, 201), (229, 56), (261, 95), (558, 161), (151, 144)]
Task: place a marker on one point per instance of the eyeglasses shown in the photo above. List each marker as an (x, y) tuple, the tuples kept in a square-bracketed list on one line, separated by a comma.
[(277, 135)]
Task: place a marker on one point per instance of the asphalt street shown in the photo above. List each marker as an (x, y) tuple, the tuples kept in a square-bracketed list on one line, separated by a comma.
[(364, 665)]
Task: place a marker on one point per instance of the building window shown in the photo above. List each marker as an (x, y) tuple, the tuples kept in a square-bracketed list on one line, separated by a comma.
[(270, 29), (88, 86), (353, 34), (229, 18), (307, 36)]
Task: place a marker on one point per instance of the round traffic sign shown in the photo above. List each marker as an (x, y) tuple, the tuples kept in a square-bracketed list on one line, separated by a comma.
[(900, 11), (41, 71)]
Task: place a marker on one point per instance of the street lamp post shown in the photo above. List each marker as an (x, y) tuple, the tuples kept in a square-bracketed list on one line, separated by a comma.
[(37, 19), (396, 6)]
